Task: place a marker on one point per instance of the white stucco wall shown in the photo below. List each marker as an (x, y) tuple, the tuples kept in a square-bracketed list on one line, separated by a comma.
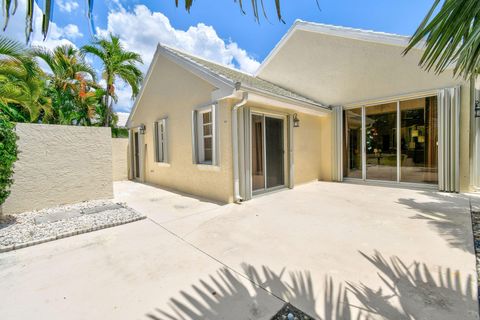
[(60, 165), (120, 159)]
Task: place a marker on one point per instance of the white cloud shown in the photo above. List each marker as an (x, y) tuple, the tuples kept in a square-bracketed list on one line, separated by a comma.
[(141, 29), (56, 36), (67, 5), (155, 27), (71, 31)]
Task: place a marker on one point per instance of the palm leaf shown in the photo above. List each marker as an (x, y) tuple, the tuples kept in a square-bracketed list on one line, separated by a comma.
[(451, 37)]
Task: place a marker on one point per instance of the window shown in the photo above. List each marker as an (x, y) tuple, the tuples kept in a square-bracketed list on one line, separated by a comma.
[(160, 140), (204, 139)]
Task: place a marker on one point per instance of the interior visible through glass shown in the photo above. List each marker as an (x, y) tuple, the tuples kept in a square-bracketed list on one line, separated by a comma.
[(258, 172), (352, 143), (419, 136), (411, 123), (274, 151), (381, 141)]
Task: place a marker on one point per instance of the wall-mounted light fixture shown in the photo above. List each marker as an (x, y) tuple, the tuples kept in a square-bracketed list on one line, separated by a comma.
[(477, 109), (141, 129), (296, 121)]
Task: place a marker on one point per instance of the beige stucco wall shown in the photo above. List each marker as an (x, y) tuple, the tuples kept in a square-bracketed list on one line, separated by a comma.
[(174, 92), (60, 165), (120, 159), (342, 71)]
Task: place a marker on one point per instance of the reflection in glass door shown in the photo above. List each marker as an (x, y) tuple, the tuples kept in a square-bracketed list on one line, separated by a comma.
[(395, 141), (419, 136), (352, 147), (381, 142), (268, 165)]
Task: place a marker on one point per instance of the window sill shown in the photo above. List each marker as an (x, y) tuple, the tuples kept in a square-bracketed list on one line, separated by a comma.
[(163, 164), (207, 167)]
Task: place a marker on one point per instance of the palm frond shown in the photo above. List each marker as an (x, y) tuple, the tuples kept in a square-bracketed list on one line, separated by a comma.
[(450, 37)]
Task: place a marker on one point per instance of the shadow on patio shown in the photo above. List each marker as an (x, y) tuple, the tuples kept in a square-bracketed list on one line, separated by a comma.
[(408, 292), (448, 214)]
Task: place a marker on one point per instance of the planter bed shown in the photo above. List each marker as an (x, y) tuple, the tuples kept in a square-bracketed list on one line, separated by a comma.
[(35, 227)]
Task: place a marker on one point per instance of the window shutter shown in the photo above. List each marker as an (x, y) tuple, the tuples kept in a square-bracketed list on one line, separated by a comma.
[(155, 141), (194, 137), (165, 140)]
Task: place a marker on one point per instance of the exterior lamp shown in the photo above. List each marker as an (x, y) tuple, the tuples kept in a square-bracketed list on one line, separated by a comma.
[(477, 109), (141, 129), (296, 121)]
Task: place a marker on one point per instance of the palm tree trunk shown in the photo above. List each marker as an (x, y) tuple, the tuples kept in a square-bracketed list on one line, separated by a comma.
[(107, 109)]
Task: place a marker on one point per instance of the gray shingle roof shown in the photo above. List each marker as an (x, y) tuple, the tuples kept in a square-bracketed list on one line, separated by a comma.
[(245, 79)]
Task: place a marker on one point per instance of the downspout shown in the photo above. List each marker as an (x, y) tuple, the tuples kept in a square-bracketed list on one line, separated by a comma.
[(236, 181)]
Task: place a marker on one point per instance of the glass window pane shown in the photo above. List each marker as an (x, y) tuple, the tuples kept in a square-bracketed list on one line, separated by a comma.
[(419, 137), (208, 155), (381, 141), (207, 117), (207, 143), (258, 173), (207, 130), (274, 151), (352, 143)]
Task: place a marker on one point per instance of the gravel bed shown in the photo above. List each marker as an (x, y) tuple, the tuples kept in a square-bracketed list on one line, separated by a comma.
[(289, 312), (476, 241), (23, 229)]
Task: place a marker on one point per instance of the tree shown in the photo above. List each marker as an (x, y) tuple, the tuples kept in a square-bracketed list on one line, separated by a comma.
[(8, 154), (118, 63), (72, 84), (452, 37), (20, 84)]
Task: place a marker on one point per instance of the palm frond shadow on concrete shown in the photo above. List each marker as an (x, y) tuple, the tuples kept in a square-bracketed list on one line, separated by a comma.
[(415, 292), (408, 292), (448, 214)]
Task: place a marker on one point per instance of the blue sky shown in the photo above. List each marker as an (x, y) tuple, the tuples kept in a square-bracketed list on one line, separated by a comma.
[(215, 29)]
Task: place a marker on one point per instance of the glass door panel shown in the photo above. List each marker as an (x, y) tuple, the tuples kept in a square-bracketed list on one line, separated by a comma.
[(419, 136), (352, 143), (258, 171), (381, 142), (274, 151)]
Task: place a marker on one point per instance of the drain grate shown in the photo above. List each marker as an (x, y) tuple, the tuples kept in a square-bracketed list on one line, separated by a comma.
[(289, 312)]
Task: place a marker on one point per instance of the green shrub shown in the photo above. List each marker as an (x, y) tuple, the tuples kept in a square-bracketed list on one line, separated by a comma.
[(8, 155)]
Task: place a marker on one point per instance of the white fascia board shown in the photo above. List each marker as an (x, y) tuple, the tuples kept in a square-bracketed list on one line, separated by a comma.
[(287, 99), (216, 80), (279, 103), (337, 31), (142, 88), (222, 85)]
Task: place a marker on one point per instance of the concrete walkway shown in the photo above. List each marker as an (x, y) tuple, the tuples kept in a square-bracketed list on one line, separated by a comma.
[(334, 250)]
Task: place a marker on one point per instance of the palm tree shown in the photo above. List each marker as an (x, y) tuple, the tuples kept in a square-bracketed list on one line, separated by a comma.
[(452, 37), (22, 86), (118, 63), (68, 66), (72, 82)]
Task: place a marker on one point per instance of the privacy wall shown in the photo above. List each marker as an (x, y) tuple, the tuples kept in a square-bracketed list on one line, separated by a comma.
[(60, 165), (120, 159)]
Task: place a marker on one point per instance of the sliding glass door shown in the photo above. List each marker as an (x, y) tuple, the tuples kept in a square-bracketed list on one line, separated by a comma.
[(396, 141), (268, 164)]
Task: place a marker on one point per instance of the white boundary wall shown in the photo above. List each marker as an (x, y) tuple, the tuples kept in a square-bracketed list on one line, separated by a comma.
[(60, 165)]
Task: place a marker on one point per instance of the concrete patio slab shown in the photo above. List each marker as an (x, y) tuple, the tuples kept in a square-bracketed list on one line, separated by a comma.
[(334, 250)]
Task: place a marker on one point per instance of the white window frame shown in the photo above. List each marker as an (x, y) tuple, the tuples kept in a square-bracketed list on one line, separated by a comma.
[(198, 135), (160, 141)]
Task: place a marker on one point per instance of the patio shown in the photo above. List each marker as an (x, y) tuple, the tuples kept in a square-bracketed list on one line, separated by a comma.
[(333, 250)]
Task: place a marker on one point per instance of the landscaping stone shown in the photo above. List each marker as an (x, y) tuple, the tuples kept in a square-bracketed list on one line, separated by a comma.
[(289, 312), (476, 241), (35, 227)]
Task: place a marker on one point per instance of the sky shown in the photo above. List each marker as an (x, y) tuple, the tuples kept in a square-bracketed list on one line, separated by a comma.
[(214, 29)]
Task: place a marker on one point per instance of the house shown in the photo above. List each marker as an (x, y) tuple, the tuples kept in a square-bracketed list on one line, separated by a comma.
[(329, 103)]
